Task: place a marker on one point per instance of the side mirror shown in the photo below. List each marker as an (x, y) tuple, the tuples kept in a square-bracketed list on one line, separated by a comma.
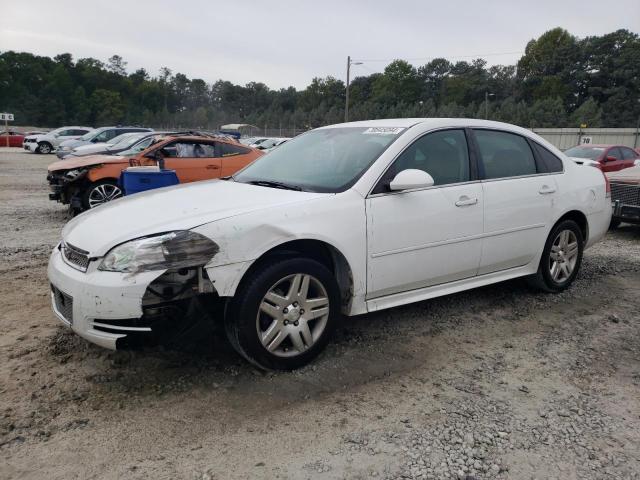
[(410, 179), (610, 158)]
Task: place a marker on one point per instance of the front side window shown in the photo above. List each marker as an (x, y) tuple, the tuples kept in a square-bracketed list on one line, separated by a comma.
[(188, 150), (504, 154), (444, 155), (323, 160), (615, 153)]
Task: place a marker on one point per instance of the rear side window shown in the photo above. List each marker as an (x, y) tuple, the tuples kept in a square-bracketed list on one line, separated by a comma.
[(628, 154), (228, 149), (549, 162), (504, 154)]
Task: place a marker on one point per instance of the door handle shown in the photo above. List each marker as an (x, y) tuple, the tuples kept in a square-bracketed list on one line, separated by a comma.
[(546, 190), (463, 201), (212, 167)]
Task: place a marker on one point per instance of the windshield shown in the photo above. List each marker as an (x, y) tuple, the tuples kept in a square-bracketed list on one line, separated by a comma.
[(138, 147), (120, 138), (126, 139), (592, 153), (325, 160), (89, 135)]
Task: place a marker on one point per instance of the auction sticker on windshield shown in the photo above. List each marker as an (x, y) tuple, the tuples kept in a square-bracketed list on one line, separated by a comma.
[(383, 130)]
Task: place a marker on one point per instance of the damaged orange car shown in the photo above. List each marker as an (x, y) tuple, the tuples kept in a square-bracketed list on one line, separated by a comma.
[(87, 182)]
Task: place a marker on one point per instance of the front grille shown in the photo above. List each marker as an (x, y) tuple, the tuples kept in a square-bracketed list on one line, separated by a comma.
[(77, 258), (63, 304), (625, 193)]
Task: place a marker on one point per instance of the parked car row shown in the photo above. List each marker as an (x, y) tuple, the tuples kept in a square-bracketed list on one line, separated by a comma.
[(13, 138), (85, 182)]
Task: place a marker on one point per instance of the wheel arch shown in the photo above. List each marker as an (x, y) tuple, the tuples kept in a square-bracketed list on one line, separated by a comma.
[(318, 250), (578, 217)]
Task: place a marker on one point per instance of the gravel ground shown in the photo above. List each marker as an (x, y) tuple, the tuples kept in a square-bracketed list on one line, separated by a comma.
[(499, 382)]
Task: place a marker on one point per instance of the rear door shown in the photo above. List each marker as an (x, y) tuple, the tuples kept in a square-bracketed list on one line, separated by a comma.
[(519, 199), (234, 157), (192, 160)]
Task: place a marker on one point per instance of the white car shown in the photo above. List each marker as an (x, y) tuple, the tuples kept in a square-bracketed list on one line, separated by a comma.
[(345, 219), (48, 142)]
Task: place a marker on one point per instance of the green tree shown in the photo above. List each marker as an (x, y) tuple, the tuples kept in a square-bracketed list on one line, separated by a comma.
[(589, 113), (106, 107)]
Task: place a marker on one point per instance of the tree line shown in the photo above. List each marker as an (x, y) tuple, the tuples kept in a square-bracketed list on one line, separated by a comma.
[(560, 81)]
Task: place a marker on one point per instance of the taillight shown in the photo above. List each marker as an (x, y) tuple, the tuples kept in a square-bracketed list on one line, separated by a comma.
[(607, 185)]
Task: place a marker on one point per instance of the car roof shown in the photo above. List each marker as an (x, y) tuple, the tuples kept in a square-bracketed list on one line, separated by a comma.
[(601, 145), (431, 122)]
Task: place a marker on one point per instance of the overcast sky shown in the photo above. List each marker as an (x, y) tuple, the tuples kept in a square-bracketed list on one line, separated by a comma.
[(284, 43)]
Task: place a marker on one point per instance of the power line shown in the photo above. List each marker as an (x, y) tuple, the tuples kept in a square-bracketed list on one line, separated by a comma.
[(480, 55)]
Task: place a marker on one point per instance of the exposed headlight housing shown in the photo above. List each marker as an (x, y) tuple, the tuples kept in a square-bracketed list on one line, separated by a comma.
[(74, 174), (172, 250)]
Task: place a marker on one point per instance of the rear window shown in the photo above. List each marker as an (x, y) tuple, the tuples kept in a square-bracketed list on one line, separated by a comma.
[(549, 162)]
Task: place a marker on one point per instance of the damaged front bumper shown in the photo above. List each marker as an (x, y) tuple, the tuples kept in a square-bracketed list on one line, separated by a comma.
[(120, 311), (61, 185)]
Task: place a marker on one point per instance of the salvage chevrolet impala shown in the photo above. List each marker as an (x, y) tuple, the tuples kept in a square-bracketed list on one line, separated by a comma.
[(345, 219)]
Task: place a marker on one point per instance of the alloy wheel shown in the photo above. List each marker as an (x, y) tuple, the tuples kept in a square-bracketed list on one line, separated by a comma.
[(293, 315), (563, 256), (103, 193)]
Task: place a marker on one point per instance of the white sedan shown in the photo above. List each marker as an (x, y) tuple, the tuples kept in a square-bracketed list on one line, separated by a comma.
[(342, 220)]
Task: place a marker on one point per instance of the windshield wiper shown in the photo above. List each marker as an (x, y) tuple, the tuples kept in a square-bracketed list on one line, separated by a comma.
[(269, 183)]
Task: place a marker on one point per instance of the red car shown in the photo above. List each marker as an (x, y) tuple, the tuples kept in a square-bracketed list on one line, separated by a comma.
[(610, 158), (15, 138)]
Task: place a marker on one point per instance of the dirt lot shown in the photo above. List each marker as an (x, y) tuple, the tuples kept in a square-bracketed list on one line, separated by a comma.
[(499, 382)]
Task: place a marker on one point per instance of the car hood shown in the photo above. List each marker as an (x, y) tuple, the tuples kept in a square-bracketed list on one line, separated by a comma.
[(92, 146), (180, 207), (73, 143), (88, 161), (627, 175)]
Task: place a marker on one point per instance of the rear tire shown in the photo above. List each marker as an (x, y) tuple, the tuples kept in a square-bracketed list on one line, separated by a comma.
[(284, 314), (99, 193), (561, 258), (44, 148)]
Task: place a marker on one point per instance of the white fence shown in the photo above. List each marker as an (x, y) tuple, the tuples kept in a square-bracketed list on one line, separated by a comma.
[(564, 138)]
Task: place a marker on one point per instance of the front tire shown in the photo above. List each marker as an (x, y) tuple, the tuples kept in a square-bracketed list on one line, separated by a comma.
[(561, 258), (284, 314), (44, 148), (99, 193)]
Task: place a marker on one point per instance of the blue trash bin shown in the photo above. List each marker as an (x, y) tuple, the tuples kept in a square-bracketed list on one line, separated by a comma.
[(141, 179)]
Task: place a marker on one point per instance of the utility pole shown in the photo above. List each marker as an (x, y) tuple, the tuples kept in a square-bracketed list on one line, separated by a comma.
[(486, 103), (346, 106)]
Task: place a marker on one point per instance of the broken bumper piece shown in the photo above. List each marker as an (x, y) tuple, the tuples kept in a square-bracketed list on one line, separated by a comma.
[(102, 307)]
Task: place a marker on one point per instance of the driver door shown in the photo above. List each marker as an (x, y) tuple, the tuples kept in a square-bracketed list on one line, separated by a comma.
[(424, 237)]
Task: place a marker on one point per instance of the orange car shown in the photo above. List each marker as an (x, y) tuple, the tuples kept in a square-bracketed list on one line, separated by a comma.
[(87, 182)]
